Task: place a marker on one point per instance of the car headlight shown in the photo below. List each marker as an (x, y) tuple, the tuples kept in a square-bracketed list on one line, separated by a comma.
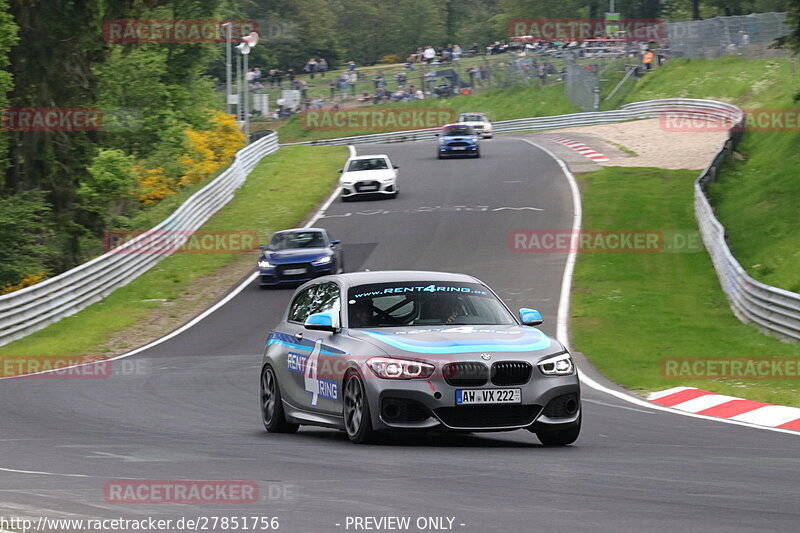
[(558, 365), (322, 261), (264, 264), (388, 368)]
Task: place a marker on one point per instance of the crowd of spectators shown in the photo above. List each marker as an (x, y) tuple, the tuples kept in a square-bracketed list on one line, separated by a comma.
[(528, 60)]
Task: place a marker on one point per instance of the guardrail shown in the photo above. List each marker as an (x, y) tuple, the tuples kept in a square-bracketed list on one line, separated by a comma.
[(637, 110), (771, 309), (27, 310)]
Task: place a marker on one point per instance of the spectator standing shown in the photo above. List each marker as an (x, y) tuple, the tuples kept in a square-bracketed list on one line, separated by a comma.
[(303, 86), (332, 87), (456, 52), (279, 77), (485, 74), (352, 80), (351, 66), (311, 67), (429, 54), (322, 67), (647, 59)]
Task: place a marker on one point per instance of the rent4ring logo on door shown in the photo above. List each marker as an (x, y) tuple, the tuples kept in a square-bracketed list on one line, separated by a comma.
[(308, 366)]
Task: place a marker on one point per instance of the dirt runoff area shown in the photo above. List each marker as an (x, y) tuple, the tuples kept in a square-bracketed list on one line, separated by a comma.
[(652, 145)]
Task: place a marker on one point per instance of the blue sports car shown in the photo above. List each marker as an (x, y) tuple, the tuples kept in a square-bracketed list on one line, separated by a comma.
[(298, 255), (367, 352), (458, 140)]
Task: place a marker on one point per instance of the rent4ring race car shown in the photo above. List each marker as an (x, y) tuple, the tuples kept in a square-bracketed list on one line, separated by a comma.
[(406, 350)]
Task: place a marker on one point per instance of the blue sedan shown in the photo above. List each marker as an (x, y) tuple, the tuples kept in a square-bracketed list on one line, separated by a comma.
[(298, 255), (458, 140)]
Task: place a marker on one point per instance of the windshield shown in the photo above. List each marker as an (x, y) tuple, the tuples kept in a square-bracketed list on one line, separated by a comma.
[(377, 163), (473, 118), (298, 239), (459, 130), (424, 303)]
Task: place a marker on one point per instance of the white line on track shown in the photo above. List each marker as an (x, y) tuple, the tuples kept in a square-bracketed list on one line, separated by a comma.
[(36, 472), (562, 323)]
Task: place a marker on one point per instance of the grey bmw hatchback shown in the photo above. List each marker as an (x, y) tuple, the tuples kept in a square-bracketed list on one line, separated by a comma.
[(369, 352)]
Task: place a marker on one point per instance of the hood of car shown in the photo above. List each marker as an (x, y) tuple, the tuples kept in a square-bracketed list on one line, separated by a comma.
[(444, 340), (367, 175), (296, 255)]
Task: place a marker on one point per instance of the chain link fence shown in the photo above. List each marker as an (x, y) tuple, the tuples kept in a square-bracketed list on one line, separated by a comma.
[(582, 83), (747, 35)]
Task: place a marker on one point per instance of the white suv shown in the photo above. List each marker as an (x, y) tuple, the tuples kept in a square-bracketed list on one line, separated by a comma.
[(368, 174), (478, 121)]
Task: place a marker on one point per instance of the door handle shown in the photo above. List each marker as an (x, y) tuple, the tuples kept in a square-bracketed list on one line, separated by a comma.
[(298, 335)]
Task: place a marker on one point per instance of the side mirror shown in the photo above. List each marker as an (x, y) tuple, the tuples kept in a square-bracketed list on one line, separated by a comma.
[(321, 322), (340, 170), (334, 242), (435, 134), (263, 247), (530, 317)]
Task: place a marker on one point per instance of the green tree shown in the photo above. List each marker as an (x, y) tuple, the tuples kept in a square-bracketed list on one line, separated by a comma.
[(24, 232), (8, 38), (108, 191)]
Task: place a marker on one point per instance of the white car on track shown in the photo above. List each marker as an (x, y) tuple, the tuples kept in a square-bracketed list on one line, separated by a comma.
[(368, 175), (479, 122)]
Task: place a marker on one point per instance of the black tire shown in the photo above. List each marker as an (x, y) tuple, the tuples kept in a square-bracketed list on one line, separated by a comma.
[(271, 405), (477, 153), (340, 267), (346, 198), (560, 437), (439, 156), (357, 421)]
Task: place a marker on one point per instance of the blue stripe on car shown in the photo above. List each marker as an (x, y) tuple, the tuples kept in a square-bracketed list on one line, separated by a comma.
[(530, 341)]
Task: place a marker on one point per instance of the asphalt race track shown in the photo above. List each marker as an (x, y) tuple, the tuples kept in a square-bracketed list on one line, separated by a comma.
[(190, 410)]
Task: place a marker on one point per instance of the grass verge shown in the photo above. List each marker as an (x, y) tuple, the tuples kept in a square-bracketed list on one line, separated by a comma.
[(633, 311), (758, 198), (279, 193)]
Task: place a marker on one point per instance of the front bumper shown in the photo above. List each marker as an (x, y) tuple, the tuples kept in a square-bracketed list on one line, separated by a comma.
[(431, 405), (274, 276), (366, 188), (447, 150)]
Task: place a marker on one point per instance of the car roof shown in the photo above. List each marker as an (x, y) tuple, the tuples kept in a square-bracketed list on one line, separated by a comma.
[(472, 113), (353, 279), (461, 124), (368, 156)]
